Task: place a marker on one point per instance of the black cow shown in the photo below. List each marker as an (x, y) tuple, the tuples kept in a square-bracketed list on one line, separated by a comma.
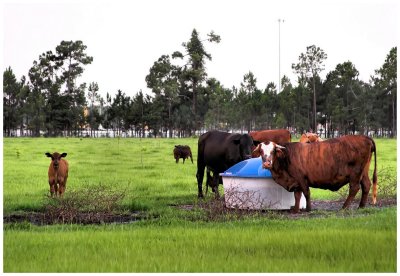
[(218, 151), (182, 152)]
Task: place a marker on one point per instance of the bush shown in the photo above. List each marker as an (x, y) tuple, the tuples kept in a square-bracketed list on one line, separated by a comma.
[(387, 184), (90, 205), (243, 204)]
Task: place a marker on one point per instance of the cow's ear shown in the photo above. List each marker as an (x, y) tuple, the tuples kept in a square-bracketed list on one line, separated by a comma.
[(63, 154), (48, 154), (256, 143), (236, 141), (257, 151), (280, 152)]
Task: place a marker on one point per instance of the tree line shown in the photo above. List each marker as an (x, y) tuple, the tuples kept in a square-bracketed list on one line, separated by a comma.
[(185, 101)]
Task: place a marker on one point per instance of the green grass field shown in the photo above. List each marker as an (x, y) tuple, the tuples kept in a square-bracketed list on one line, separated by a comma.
[(178, 240)]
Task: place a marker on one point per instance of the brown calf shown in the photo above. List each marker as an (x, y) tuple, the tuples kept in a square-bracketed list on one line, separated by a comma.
[(58, 173)]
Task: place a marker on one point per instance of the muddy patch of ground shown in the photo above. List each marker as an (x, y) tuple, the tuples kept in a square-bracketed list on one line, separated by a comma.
[(334, 205), (37, 218), (215, 209)]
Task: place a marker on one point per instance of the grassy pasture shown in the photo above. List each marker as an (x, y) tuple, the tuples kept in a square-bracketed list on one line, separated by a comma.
[(178, 240)]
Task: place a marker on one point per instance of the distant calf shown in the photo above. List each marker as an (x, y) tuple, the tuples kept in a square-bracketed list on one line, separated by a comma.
[(182, 152), (58, 173)]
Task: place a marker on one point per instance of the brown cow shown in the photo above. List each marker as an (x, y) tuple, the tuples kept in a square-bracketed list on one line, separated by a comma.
[(309, 137), (279, 136), (329, 165), (58, 173), (182, 152)]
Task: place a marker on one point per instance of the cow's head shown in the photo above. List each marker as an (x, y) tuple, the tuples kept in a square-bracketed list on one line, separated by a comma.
[(310, 138), (245, 143), (55, 158), (269, 152), (304, 139)]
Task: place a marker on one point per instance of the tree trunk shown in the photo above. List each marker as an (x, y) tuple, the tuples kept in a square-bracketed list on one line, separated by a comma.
[(315, 107), (394, 132), (195, 104)]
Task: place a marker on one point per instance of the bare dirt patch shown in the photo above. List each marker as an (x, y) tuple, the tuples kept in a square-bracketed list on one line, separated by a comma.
[(215, 209), (38, 218), (91, 205)]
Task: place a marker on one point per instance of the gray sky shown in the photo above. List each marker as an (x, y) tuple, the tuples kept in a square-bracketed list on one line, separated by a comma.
[(126, 37)]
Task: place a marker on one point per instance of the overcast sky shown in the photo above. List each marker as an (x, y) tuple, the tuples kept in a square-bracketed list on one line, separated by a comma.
[(126, 37)]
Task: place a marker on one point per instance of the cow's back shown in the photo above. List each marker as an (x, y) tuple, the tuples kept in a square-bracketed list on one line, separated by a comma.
[(279, 136)]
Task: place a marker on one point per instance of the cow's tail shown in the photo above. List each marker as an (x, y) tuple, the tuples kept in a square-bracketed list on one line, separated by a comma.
[(374, 178)]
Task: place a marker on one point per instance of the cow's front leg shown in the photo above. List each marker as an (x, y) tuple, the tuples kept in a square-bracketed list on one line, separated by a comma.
[(62, 181), (215, 183), (354, 187), (297, 196), (61, 188), (53, 187), (306, 192)]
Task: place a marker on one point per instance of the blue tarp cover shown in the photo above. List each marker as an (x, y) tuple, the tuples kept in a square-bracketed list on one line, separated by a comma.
[(251, 168)]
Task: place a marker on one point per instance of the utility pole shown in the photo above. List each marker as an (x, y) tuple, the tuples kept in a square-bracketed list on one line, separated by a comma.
[(279, 27)]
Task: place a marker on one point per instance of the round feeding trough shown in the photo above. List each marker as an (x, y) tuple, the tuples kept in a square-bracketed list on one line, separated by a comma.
[(248, 186)]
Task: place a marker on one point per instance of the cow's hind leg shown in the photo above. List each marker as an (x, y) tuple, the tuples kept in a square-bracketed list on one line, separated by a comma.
[(61, 189), (354, 187), (365, 187), (208, 179), (200, 176)]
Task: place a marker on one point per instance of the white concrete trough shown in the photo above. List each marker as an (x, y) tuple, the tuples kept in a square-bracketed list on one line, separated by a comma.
[(248, 186)]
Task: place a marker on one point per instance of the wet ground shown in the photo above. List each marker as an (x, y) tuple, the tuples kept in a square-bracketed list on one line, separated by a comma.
[(319, 208), (82, 218)]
